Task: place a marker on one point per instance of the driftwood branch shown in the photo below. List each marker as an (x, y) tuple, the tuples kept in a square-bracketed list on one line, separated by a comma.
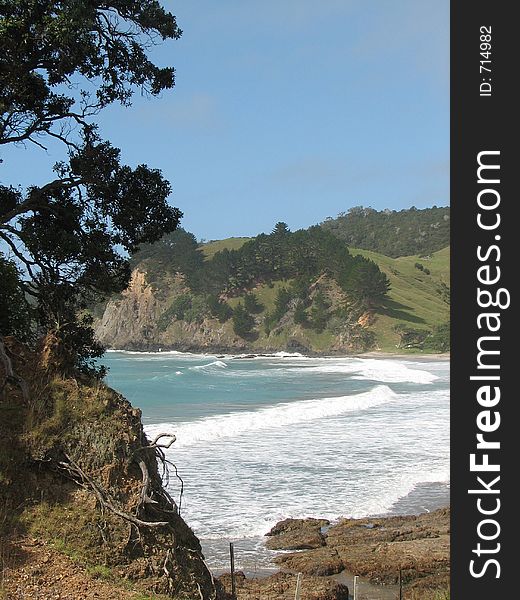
[(155, 444)]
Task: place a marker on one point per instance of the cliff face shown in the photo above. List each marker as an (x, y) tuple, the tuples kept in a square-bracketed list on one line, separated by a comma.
[(130, 319), (132, 322), (136, 321)]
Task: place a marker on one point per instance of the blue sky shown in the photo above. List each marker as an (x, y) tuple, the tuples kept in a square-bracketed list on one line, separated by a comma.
[(290, 110)]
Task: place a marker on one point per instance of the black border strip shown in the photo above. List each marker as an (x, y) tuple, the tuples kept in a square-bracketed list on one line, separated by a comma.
[(481, 123)]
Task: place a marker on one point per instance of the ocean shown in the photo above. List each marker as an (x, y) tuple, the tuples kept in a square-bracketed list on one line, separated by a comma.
[(266, 438)]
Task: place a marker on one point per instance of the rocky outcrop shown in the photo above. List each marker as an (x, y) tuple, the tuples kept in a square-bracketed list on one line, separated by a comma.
[(130, 319), (139, 320), (297, 534), (132, 322), (374, 548)]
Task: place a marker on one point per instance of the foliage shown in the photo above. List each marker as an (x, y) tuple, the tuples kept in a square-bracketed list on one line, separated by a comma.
[(411, 337), (219, 309), (176, 252), (305, 255), (251, 303), (366, 282), (243, 321), (300, 256), (393, 233), (319, 312), (184, 307), (13, 322), (300, 316), (197, 310), (439, 340), (281, 303), (176, 311), (61, 64), (79, 348)]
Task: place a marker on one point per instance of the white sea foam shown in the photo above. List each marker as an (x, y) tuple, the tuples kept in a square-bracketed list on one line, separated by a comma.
[(251, 457), (281, 415), (388, 371), (331, 457), (216, 363)]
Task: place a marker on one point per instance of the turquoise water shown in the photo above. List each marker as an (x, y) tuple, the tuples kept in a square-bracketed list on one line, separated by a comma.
[(261, 439)]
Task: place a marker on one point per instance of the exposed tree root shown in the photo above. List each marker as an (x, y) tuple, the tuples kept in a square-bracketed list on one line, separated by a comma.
[(74, 472), (161, 457)]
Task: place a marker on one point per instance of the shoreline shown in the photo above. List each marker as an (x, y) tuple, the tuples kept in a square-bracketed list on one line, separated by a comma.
[(376, 549), (256, 560), (229, 353)]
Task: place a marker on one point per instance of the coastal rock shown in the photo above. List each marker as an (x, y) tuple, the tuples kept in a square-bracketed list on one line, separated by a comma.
[(377, 549), (282, 586), (318, 562), (297, 534), (374, 548)]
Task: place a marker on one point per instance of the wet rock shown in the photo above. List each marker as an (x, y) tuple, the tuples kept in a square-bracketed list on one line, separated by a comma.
[(318, 562), (297, 534)]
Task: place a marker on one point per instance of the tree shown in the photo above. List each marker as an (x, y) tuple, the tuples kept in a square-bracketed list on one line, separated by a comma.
[(281, 303), (300, 314), (251, 303), (280, 229), (219, 309), (319, 312), (439, 340), (366, 281), (12, 322), (61, 63), (243, 321), (176, 252)]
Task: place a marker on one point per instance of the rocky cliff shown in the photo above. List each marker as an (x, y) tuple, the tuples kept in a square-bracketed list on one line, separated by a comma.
[(131, 322), (136, 321)]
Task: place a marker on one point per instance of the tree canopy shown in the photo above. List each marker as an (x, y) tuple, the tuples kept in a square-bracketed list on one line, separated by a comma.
[(301, 256), (393, 233), (61, 63)]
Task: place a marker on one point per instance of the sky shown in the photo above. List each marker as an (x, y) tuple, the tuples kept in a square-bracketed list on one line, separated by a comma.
[(289, 110)]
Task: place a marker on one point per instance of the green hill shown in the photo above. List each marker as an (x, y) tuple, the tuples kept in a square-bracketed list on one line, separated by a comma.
[(303, 291), (393, 233), (209, 249), (416, 298)]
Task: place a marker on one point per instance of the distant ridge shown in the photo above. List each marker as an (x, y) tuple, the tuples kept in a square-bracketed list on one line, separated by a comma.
[(393, 233)]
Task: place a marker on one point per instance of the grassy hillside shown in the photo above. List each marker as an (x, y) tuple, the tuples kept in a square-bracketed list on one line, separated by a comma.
[(416, 297), (209, 249), (324, 310)]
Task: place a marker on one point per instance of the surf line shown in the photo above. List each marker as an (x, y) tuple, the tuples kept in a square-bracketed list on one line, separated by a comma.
[(491, 300)]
